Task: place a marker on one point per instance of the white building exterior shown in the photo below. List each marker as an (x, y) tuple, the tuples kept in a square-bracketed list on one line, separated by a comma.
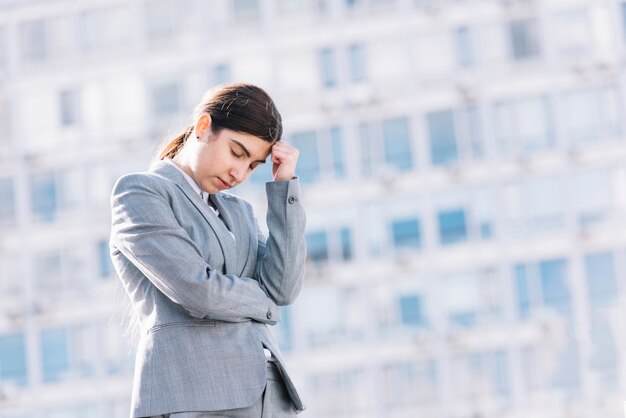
[(464, 171)]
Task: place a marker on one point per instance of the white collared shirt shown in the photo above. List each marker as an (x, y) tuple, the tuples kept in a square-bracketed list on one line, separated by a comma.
[(203, 195)]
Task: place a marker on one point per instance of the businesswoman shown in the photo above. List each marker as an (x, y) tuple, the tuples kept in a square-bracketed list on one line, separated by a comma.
[(203, 282)]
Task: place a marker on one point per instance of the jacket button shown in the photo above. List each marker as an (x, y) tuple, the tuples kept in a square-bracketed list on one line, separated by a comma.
[(291, 199), (269, 315)]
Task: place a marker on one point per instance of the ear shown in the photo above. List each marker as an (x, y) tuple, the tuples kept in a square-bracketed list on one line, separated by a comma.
[(203, 126)]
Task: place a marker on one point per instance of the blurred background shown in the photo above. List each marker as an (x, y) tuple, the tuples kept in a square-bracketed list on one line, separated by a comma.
[(464, 172)]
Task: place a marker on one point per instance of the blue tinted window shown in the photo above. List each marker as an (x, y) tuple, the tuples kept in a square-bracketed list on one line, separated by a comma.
[(328, 67), (13, 359), (166, 99), (524, 39), (309, 160), (33, 41), (452, 227), (263, 172), (600, 275), (356, 58), (69, 107), (346, 243), (624, 18), (55, 354), (221, 74), (7, 202), (43, 194), (523, 293), (284, 329), (106, 267), (464, 50), (397, 144), (443, 143), (336, 143), (411, 310), (406, 233), (317, 246), (554, 284), (246, 10), (366, 142)]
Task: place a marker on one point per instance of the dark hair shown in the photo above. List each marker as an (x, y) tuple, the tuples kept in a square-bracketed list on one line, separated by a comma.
[(239, 107)]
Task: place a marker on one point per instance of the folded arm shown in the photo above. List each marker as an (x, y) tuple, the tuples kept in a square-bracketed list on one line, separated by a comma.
[(145, 230)]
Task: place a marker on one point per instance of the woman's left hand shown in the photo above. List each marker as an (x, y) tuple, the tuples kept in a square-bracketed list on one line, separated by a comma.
[(284, 160)]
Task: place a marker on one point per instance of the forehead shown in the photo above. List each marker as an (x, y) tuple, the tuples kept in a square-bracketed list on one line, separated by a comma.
[(256, 146)]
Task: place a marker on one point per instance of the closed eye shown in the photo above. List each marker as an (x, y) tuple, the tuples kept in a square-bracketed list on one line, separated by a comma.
[(235, 154)]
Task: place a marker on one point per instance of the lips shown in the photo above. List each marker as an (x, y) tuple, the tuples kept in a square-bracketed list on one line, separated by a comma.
[(224, 184)]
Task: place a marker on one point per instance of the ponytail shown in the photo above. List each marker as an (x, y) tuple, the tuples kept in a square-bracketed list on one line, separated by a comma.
[(173, 146)]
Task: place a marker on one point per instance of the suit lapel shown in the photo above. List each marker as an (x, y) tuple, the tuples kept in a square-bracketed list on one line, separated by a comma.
[(237, 223), (223, 236)]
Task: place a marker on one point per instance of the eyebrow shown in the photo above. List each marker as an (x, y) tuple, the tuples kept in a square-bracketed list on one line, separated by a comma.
[(245, 150)]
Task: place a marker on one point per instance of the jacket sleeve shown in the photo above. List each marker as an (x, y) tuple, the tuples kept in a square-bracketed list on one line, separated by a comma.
[(281, 257), (145, 230)]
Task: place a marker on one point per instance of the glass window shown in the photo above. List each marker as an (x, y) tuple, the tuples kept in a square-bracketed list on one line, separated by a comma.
[(443, 147), (409, 385), (341, 320), (317, 246), (489, 368), (406, 233), (222, 74), (161, 20), (554, 284), (166, 99), (452, 226), (33, 44), (8, 215), (473, 298), (328, 67), (13, 359), (73, 188), (336, 143), (592, 114), (309, 161), (600, 279), (571, 34), (411, 313), (524, 125), (357, 63), (522, 287), (397, 144), (593, 196), (70, 107), (55, 356), (547, 211), (344, 393), (366, 142), (246, 10), (67, 352), (104, 28), (543, 285), (105, 264), (346, 243), (43, 194), (464, 49), (284, 330), (116, 356), (524, 39)]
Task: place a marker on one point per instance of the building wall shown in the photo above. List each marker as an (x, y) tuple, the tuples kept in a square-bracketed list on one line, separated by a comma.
[(463, 170)]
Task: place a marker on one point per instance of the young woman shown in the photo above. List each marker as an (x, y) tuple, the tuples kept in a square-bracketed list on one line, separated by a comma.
[(203, 281)]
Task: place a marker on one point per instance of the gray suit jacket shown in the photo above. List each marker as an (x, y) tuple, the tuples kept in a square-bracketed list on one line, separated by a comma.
[(203, 299)]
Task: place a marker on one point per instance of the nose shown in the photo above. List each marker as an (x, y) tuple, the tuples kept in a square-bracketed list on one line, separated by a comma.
[(238, 172)]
